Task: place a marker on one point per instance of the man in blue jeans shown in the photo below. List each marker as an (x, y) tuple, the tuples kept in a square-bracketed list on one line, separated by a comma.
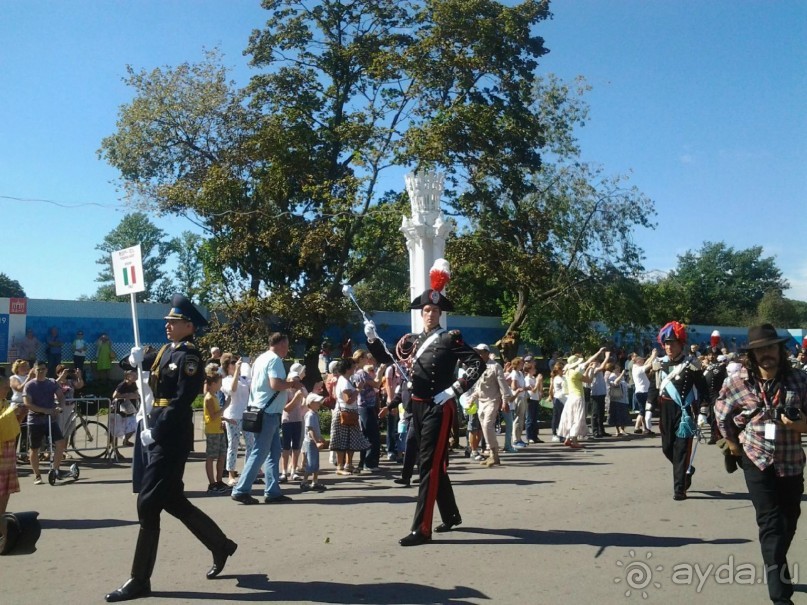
[(269, 392)]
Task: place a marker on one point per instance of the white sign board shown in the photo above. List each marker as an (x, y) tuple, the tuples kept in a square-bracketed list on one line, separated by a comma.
[(127, 267)]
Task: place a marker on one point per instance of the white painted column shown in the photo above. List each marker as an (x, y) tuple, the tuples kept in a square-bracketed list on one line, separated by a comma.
[(426, 232)]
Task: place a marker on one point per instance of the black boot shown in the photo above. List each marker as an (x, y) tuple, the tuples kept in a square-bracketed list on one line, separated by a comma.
[(210, 534), (139, 585)]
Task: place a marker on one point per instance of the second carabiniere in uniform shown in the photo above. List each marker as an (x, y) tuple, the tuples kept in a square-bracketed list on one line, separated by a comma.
[(434, 390)]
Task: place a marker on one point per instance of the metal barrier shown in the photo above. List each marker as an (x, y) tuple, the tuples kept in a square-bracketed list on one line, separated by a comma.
[(85, 431), (92, 434)]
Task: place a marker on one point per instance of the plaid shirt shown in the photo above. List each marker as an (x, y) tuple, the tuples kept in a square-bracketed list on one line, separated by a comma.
[(741, 394)]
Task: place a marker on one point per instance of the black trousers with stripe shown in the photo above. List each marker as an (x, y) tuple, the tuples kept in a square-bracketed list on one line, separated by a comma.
[(676, 449), (433, 424)]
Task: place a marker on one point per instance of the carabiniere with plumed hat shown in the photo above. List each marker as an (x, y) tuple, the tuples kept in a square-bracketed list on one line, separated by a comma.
[(435, 387), (681, 388)]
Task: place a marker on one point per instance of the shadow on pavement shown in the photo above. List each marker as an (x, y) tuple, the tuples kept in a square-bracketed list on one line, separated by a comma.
[(394, 593), (84, 523), (499, 482), (107, 482), (704, 494), (577, 537)]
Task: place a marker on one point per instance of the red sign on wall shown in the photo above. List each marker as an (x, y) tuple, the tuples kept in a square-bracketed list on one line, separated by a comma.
[(18, 306)]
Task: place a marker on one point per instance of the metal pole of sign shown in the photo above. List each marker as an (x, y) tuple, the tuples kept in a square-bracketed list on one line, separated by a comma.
[(139, 365)]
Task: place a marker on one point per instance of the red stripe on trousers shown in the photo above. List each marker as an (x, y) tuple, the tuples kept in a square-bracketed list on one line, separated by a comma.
[(438, 465)]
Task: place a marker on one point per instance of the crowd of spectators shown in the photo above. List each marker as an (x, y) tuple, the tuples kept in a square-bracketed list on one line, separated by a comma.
[(573, 397)]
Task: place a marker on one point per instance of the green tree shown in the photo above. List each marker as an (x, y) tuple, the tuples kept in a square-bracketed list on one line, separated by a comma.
[(189, 274), (776, 309), (558, 245), (719, 285), (133, 229), (284, 175), (10, 288)]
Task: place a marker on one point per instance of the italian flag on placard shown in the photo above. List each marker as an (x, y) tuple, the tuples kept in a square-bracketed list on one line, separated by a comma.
[(129, 275)]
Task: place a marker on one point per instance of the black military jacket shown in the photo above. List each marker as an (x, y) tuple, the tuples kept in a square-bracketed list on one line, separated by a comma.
[(435, 369), (687, 379), (714, 375), (177, 377)]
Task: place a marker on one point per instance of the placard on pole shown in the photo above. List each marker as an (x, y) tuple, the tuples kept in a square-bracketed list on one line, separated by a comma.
[(127, 267)]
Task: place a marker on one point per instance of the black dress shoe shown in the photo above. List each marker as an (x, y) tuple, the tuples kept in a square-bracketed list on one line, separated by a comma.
[(401, 481), (244, 498), (444, 527), (679, 496), (276, 499), (220, 558), (414, 539), (688, 479), (132, 589)]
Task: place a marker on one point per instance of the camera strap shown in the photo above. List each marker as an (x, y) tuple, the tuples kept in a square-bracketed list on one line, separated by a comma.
[(764, 390)]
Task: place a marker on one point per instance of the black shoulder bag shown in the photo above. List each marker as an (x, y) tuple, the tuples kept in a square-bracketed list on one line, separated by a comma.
[(252, 420)]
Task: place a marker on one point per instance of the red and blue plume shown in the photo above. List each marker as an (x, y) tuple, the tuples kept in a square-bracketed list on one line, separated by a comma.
[(672, 330), (439, 274)]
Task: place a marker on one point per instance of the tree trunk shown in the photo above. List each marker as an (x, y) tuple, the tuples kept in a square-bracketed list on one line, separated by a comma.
[(508, 345)]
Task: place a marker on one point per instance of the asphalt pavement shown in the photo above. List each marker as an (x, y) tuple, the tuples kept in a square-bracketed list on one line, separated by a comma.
[(551, 525)]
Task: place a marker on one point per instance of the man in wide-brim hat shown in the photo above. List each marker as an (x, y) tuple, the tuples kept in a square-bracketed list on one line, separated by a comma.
[(762, 416)]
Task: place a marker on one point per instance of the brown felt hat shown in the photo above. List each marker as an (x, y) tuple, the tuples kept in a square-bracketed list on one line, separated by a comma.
[(763, 336)]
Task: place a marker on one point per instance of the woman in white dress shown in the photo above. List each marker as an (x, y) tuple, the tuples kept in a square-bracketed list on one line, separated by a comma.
[(573, 419)]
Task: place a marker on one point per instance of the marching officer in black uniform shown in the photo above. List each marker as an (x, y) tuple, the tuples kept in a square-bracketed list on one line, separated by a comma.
[(681, 389), (176, 378), (434, 390)]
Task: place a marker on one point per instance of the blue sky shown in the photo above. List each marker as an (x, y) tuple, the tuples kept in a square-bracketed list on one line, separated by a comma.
[(701, 101)]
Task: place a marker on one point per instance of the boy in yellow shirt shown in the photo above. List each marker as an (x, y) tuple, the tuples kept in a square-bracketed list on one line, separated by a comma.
[(216, 447)]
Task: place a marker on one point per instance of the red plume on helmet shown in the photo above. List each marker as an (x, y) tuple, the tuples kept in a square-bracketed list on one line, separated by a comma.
[(439, 276)]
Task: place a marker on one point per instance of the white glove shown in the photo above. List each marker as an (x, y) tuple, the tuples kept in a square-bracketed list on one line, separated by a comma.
[(444, 396), (146, 438), (136, 356), (369, 330)]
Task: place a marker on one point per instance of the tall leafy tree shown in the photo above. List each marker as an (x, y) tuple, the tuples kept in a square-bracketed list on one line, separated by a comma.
[(285, 175), (776, 309), (10, 288), (558, 242), (136, 228), (189, 274), (718, 284)]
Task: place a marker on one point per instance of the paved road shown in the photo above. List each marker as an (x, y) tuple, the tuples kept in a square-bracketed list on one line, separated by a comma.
[(550, 526)]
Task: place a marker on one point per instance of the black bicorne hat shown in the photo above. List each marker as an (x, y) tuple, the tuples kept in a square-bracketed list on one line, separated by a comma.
[(438, 276)]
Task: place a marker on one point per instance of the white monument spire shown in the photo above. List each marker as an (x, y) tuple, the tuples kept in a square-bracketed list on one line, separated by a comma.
[(425, 231)]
